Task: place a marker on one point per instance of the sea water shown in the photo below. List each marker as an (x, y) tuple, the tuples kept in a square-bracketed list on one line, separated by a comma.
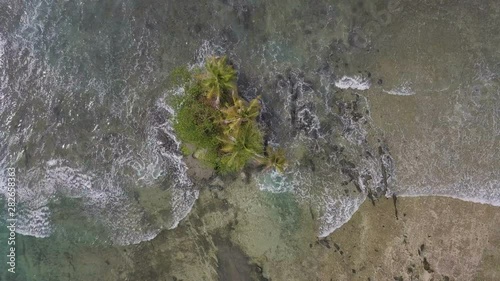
[(365, 101)]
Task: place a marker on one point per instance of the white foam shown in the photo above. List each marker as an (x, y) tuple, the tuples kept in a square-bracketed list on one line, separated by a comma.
[(483, 73), (484, 192), (132, 163), (356, 82), (207, 49), (39, 185), (182, 203), (338, 212), (52, 162), (183, 194), (402, 90), (274, 182), (309, 120), (182, 179), (34, 222), (3, 42)]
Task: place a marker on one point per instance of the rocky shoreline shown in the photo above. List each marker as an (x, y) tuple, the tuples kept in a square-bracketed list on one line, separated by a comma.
[(235, 232)]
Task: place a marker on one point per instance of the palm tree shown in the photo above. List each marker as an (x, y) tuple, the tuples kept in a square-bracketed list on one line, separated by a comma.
[(239, 113), (218, 79), (240, 147), (275, 158)]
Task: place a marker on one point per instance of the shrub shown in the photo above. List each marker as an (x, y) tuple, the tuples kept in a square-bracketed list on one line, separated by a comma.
[(180, 76), (196, 123)]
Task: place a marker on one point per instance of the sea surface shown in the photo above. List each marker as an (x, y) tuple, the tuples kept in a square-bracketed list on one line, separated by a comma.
[(369, 99)]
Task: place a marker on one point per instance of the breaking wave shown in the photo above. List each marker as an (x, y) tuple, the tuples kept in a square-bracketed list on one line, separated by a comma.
[(335, 164), (356, 82), (402, 90), (87, 124)]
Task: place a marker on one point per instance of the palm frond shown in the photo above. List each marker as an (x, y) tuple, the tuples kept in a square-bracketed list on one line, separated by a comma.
[(219, 78), (275, 159)]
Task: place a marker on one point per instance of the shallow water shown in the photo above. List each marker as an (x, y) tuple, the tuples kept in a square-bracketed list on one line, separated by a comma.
[(368, 99)]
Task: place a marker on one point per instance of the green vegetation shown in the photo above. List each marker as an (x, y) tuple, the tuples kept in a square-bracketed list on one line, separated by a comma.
[(220, 125), (275, 159), (239, 148), (217, 80)]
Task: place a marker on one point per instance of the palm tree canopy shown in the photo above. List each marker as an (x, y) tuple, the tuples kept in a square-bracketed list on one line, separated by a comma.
[(218, 79), (242, 146), (240, 112), (275, 159)]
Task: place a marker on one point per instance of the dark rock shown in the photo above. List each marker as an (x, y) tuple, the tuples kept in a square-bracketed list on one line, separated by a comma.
[(229, 37), (357, 39), (233, 263), (313, 217), (427, 266), (217, 182), (370, 196), (325, 243), (394, 200), (27, 156)]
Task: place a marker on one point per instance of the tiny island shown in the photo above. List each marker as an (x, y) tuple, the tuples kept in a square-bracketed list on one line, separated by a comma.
[(217, 125)]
